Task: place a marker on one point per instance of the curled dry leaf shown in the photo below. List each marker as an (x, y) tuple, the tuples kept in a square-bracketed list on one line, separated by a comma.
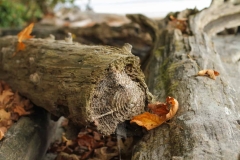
[(150, 121), (208, 72), (23, 35), (180, 24)]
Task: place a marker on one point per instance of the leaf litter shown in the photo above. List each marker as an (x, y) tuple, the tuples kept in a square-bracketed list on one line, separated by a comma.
[(12, 107), (89, 144)]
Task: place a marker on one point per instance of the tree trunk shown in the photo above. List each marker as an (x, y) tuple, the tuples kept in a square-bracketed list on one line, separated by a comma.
[(97, 84), (207, 125)]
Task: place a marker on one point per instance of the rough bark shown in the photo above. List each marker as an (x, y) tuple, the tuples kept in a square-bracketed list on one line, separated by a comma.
[(97, 84), (207, 123)]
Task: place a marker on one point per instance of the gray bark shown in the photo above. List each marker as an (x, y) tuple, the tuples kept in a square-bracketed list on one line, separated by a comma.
[(207, 123)]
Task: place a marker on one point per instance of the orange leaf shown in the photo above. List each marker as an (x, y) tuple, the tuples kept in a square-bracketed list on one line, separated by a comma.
[(4, 115), (3, 130), (21, 111), (150, 121), (21, 46), (159, 108), (208, 72), (25, 33), (174, 107)]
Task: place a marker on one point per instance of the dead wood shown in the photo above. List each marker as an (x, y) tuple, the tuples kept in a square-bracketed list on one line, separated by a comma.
[(98, 84), (207, 123)]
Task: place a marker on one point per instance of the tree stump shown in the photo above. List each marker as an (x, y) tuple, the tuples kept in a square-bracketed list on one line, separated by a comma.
[(207, 125)]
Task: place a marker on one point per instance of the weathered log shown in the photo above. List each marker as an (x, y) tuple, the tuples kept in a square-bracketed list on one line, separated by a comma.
[(207, 123), (99, 34), (99, 84)]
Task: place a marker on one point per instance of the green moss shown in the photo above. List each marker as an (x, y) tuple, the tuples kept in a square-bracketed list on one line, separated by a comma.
[(166, 80), (178, 46)]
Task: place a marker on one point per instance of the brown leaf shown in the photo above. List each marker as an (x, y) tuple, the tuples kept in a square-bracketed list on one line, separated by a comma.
[(66, 156), (5, 97), (21, 111), (208, 72), (150, 121), (86, 140), (4, 115), (180, 24), (159, 108), (97, 136), (106, 153), (67, 141)]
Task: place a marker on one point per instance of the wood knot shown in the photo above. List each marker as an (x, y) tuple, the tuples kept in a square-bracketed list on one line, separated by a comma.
[(35, 78)]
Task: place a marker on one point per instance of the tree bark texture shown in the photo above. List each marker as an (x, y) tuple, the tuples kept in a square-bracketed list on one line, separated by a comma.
[(207, 125), (98, 84)]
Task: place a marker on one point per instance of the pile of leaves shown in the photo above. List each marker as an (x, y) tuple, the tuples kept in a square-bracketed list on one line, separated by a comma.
[(92, 145), (12, 107)]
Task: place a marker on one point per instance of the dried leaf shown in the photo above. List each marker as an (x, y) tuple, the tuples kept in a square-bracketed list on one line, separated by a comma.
[(66, 156), (159, 108), (86, 140), (97, 136), (67, 141), (106, 153), (5, 97), (25, 33), (174, 107), (208, 72), (4, 115), (150, 121), (180, 24), (21, 111)]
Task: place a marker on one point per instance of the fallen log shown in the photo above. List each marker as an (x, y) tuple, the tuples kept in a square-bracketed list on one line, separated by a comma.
[(98, 84), (207, 123), (99, 34)]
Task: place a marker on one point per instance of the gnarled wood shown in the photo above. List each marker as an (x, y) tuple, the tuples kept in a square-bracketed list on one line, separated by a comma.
[(207, 123)]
